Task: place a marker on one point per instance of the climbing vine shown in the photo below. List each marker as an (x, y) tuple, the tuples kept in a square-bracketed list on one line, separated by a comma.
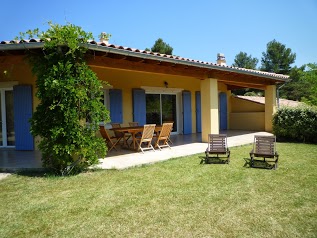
[(70, 108)]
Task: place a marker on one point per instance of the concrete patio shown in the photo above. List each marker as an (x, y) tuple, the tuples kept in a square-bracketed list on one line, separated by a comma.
[(11, 160)]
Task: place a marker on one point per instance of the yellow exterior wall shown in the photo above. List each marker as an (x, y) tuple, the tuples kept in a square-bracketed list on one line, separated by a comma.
[(250, 121), (270, 106), (209, 108), (127, 80), (222, 87), (229, 108), (18, 70), (246, 115), (241, 105)]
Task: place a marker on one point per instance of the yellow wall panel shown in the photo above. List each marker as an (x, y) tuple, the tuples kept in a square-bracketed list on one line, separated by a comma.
[(241, 105), (251, 121)]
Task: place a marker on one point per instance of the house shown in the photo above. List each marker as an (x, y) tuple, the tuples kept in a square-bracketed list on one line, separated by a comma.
[(143, 86)]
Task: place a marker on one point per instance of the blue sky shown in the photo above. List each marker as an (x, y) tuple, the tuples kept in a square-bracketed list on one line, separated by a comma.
[(195, 29)]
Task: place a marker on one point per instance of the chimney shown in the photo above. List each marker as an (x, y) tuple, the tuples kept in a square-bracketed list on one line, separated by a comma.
[(221, 59), (104, 37)]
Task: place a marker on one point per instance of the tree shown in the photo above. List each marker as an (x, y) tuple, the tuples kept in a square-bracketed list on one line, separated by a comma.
[(243, 60), (70, 94), (310, 77), (277, 58), (161, 47), (294, 89), (303, 84)]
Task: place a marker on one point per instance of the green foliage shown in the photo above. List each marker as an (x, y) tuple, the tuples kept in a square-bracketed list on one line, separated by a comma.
[(104, 35), (243, 60), (277, 58), (251, 93), (303, 86), (161, 47), (69, 93), (310, 78), (296, 124), (296, 88)]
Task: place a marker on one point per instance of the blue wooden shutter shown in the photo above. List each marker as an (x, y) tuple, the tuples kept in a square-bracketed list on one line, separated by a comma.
[(223, 111), (115, 96), (22, 107), (198, 112), (139, 106), (187, 113)]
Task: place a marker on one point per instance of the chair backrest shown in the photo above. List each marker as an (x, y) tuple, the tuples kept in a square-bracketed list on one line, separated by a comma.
[(115, 125), (148, 132), (104, 133), (169, 122), (116, 133), (264, 145), (166, 130), (134, 123), (217, 143)]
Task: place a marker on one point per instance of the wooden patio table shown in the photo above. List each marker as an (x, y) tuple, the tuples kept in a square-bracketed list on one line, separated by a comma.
[(133, 130)]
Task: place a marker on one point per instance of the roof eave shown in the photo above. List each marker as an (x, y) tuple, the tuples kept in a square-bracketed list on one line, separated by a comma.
[(179, 61), (107, 49)]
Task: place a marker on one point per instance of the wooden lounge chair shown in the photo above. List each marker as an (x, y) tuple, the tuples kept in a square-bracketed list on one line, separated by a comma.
[(146, 138), (162, 138), (111, 141), (264, 147), (217, 145)]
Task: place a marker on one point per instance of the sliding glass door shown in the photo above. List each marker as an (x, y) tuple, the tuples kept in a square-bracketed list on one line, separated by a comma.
[(7, 135), (161, 108)]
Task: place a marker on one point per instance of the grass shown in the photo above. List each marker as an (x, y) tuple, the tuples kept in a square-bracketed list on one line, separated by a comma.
[(176, 198)]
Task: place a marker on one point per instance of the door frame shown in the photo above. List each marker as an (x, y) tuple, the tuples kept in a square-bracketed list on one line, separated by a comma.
[(170, 91), (3, 118)]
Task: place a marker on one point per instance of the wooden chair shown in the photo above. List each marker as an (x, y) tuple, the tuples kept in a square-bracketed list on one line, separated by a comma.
[(217, 145), (169, 138), (146, 138), (120, 135), (111, 141), (164, 136), (264, 147), (134, 123)]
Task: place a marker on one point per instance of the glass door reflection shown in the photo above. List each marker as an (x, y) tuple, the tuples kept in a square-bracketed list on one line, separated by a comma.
[(161, 108)]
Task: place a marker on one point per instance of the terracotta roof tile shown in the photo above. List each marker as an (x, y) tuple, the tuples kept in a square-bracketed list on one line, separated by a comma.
[(119, 47)]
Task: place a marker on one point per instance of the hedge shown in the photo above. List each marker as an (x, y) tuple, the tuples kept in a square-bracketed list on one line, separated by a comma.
[(296, 124)]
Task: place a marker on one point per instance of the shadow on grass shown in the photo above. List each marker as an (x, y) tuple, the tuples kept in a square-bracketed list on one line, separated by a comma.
[(43, 173), (34, 173), (213, 160), (258, 164)]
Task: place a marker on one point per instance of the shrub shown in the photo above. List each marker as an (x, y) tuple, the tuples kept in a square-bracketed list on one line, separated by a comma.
[(296, 124)]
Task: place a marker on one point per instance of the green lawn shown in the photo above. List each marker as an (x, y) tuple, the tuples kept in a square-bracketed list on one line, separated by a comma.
[(176, 198)]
